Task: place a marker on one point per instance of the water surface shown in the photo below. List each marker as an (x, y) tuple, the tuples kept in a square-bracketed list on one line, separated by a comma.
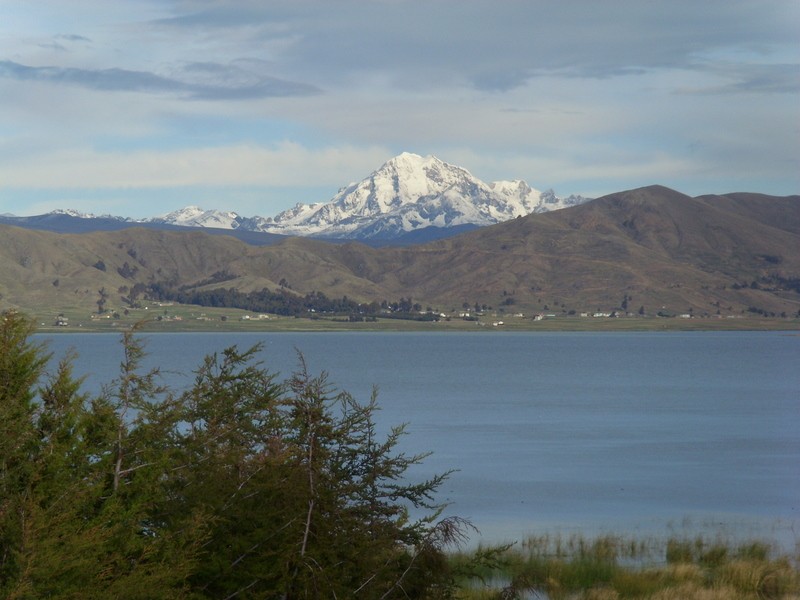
[(594, 432)]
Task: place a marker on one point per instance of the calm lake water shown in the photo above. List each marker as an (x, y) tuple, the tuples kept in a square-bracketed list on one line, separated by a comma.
[(648, 433)]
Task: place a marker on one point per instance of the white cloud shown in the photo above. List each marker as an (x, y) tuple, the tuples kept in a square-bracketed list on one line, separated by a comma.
[(287, 164), (154, 96)]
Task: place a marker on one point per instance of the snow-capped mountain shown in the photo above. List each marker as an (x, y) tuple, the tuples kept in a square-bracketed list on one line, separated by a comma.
[(194, 216), (71, 212), (408, 193)]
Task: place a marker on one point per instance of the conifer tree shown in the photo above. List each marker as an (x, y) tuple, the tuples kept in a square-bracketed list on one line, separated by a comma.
[(21, 363), (239, 487), (227, 463)]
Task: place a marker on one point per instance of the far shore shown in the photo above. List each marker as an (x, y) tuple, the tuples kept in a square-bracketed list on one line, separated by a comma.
[(185, 318)]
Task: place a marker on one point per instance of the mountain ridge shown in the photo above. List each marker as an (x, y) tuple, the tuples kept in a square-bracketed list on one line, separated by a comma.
[(408, 193), (651, 249)]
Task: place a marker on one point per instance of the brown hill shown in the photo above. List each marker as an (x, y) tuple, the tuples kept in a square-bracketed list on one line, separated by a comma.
[(651, 247)]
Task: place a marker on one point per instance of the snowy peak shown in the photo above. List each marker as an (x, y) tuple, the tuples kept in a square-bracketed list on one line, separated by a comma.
[(514, 190), (71, 212), (194, 216), (76, 214), (407, 193), (402, 182), (410, 192), (413, 176)]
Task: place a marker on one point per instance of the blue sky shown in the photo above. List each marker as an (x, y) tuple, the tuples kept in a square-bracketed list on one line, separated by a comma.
[(140, 107)]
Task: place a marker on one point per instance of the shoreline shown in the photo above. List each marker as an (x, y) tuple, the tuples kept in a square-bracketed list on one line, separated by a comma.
[(187, 318), (287, 325)]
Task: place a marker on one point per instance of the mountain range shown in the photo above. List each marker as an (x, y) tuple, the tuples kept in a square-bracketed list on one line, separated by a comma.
[(410, 193), (649, 250), (409, 199)]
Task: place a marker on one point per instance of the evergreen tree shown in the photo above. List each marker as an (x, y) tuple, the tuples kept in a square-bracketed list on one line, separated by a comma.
[(228, 451), (21, 364), (75, 523), (240, 487)]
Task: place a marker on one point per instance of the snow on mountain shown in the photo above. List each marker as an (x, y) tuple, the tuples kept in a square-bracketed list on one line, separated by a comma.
[(194, 216), (408, 193), (71, 212), (295, 215)]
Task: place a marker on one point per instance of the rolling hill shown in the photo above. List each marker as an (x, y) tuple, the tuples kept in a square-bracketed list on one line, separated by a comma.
[(651, 250)]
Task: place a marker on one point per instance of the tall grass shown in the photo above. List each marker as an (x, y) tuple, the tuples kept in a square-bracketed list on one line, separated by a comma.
[(614, 567)]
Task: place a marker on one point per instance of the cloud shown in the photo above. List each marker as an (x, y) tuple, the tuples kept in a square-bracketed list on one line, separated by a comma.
[(581, 95), (124, 80), (72, 37), (750, 78), (489, 46), (285, 164)]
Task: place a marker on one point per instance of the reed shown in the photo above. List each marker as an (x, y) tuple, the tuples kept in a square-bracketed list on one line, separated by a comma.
[(613, 567)]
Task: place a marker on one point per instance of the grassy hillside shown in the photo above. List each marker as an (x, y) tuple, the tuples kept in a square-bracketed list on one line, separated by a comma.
[(651, 250)]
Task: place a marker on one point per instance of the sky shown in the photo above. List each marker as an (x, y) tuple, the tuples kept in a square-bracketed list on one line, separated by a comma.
[(140, 107)]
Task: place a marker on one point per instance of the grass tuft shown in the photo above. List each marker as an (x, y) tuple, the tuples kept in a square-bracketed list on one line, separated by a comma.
[(617, 568)]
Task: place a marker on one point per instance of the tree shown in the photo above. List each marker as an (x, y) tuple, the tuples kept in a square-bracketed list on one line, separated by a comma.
[(307, 501), (227, 450), (56, 546), (21, 364), (101, 301), (68, 527), (241, 486)]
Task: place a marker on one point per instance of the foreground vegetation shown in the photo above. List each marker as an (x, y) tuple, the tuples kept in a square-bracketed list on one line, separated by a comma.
[(244, 486), (611, 568), (240, 487)]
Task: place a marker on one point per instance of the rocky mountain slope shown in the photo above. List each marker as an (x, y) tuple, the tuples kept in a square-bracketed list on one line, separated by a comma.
[(409, 193), (651, 249), (410, 199)]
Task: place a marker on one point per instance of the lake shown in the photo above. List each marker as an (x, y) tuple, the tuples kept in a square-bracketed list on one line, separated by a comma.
[(672, 433)]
